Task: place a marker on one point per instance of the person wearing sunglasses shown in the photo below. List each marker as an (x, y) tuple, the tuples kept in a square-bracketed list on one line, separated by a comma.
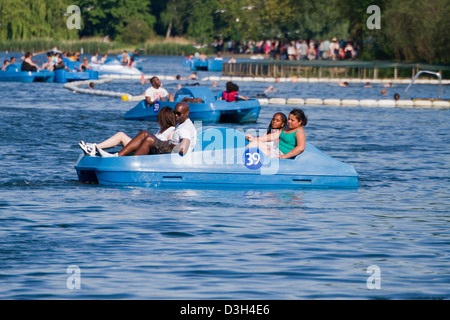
[(184, 138)]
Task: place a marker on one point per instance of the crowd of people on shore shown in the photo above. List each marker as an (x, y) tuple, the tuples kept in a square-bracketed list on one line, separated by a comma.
[(301, 49)]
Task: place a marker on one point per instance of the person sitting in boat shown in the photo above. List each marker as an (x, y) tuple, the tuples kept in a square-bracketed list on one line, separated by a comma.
[(59, 65), (27, 64), (104, 58), (94, 58), (231, 94), (12, 60), (166, 120), (49, 65), (85, 66), (202, 56), (278, 123), (184, 138), (5, 64), (125, 58), (292, 140), (157, 92)]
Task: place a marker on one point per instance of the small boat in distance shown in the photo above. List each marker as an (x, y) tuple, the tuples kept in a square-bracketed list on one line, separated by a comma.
[(208, 110)]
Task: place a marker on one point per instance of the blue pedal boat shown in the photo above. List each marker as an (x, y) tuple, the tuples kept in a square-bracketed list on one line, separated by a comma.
[(13, 74), (210, 110), (219, 160), (63, 76)]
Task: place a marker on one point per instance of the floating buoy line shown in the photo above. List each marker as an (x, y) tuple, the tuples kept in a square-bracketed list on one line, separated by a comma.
[(422, 103)]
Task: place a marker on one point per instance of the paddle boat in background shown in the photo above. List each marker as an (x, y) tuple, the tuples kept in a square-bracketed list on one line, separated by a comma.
[(13, 74), (209, 110), (115, 67), (211, 64), (63, 75), (221, 160), (137, 60)]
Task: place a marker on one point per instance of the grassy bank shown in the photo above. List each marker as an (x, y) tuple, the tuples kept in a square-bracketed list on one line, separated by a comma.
[(171, 47)]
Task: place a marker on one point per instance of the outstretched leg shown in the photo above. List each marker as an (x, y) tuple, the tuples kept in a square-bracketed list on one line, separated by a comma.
[(145, 146), (134, 144), (115, 140)]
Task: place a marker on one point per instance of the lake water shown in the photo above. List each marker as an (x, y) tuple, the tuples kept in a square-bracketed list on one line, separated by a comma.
[(387, 239)]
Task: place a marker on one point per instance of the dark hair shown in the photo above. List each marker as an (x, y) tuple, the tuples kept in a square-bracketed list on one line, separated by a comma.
[(153, 79), (283, 118), (28, 54), (166, 118), (230, 86), (300, 115)]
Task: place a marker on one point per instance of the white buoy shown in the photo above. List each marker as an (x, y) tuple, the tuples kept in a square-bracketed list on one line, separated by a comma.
[(350, 102), (404, 103), (386, 103), (332, 102), (313, 101), (368, 103), (441, 104), (295, 101), (277, 101), (423, 103)]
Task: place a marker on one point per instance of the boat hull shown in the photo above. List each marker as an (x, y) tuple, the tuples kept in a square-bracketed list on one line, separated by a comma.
[(12, 74), (63, 76)]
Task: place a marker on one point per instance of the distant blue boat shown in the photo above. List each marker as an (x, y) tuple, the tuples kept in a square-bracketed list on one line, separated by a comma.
[(63, 76), (210, 110), (195, 64), (13, 74), (220, 160)]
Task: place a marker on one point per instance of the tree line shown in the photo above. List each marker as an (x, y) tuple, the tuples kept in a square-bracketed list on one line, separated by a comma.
[(411, 30)]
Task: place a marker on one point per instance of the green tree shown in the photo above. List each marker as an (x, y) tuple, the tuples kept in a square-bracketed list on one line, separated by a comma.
[(27, 19), (201, 24), (175, 17), (110, 17), (417, 30)]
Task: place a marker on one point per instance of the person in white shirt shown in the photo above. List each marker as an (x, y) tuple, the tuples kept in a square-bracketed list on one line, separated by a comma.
[(183, 140), (94, 58), (157, 92), (166, 120)]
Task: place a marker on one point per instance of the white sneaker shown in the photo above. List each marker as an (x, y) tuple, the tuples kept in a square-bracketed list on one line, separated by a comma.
[(88, 149), (105, 154)]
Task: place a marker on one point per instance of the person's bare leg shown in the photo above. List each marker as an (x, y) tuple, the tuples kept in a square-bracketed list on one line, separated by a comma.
[(134, 144), (145, 146), (115, 140), (260, 145)]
